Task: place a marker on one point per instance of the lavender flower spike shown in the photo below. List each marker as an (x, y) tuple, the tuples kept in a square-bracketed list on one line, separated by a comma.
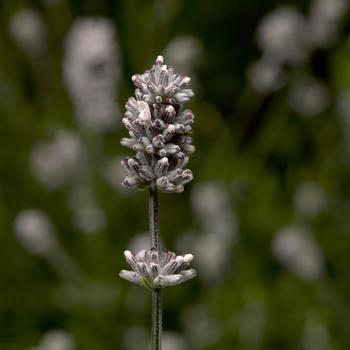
[(159, 130), (154, 271)]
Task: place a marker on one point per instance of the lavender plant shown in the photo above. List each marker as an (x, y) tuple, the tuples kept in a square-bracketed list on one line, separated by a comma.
[(159, 130)]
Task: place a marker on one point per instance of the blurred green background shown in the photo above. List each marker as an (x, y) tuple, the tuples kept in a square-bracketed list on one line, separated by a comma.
[(267, 215)]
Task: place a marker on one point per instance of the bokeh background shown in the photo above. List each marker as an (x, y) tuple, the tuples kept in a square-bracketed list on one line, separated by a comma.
[(267, 215)]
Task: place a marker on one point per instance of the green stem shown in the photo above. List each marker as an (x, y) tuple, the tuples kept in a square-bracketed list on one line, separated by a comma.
[(156, 332)]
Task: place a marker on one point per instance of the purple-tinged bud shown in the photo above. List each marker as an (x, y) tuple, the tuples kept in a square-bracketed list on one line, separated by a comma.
[(169, 114), (158, 141), (162, 182), (131, 181), (162, 152), (169, 132), (161, 167), (126, 142)]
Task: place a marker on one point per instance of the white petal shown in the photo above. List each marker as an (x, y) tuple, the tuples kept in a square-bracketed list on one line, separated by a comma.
[(188, 258), (188, 274), (168, 281), (172, 280), (170, 267), (130, 258), (145, 113), (141, 255), (130, 276)]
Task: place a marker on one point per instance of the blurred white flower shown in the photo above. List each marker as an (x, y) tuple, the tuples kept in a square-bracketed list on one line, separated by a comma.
[(213, 247), (54, 162), (91, 72), (266, 76), (309, 199), (296, 249), (282, 35), (214, 256), (29, 31), (211, 203), (34, 231), (56, 340), (329, 10), (183, 53), (324, 20), (173, 341), (322, 34), (309, 97)]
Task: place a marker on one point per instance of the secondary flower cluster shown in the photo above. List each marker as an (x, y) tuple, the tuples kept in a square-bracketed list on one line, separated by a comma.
[(154, 271), (159, 130)]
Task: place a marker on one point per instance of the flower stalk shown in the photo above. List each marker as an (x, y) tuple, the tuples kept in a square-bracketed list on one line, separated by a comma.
[(157, 319), (159, 130), (153, 215)]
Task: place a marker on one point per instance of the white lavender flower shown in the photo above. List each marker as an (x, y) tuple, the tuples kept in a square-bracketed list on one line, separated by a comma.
[(161, 85), (297, 250), (35, 232), (159, 130), (54, 162), (154, 271), (282, 35), (325, 19), (309, 96), (91, 72), (329, 10), (213, 247), (266, 76), (29, 31)]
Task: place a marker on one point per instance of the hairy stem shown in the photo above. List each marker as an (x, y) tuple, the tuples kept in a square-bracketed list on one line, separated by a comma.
[(153, 218), (156, 332)]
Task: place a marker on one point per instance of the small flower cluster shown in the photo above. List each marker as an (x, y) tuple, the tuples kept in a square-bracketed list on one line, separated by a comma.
[(159, 130), (155, 270)]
